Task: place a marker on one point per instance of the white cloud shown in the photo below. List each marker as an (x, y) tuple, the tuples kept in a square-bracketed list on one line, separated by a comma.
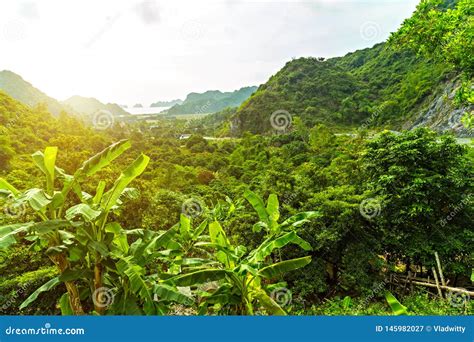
[(145, 50)]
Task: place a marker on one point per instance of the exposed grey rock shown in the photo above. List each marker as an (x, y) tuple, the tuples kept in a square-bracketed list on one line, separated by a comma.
[(441, 114)]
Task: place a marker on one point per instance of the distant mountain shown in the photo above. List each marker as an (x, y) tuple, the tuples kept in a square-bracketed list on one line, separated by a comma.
[(166, 103), (19, 89), (211, 101), (138, 105), (90, 105)]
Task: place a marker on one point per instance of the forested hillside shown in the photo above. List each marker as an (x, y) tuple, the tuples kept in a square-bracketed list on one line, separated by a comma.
[(390, 85), (21, 90)]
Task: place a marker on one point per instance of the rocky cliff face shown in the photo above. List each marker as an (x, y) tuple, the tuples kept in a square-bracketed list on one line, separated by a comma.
[(440, 113)]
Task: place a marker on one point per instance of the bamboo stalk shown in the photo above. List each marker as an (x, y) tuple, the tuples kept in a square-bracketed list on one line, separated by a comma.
[(424, 280), (438, 263), (448, 288), (437, 282)]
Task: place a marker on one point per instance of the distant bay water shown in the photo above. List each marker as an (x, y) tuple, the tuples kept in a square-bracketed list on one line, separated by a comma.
[(145, 110)]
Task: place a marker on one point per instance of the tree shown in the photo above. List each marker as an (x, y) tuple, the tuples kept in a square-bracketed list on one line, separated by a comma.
[(438, 30), (418, 181)]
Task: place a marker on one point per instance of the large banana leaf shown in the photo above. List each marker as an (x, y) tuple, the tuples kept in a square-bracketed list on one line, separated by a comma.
[(184, 226), (280, 268), (395, 305), (8, 233), (217, 234), (46, 227), (226, 294), (257, 203), (83, 210), (267, 247), (133, 171), (269, 304), (57, 200), (149, 246), (300, 218), (93, 165), (37, 199), (45, 287), (273, 207), (103, 158), (99, 192), (46, 163), (198, 277), (120, 236), (219, 237), (225, 250), (200, 229), (164, 292)]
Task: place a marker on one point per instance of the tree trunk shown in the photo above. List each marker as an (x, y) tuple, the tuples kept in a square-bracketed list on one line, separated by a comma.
[(74, 297)]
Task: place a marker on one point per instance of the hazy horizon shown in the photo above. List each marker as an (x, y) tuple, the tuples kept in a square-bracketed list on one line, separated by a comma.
[(130, 52)]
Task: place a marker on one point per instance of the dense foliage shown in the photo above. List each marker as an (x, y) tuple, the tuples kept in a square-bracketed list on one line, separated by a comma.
[(193, 222)]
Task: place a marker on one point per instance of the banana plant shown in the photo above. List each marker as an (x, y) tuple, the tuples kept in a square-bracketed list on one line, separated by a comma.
[(76, 238), (184, 251), (397, 307), (269, 215), (238, 281), (135, 273)]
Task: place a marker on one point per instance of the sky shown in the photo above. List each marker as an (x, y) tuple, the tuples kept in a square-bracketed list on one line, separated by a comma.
[(142, 51)]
